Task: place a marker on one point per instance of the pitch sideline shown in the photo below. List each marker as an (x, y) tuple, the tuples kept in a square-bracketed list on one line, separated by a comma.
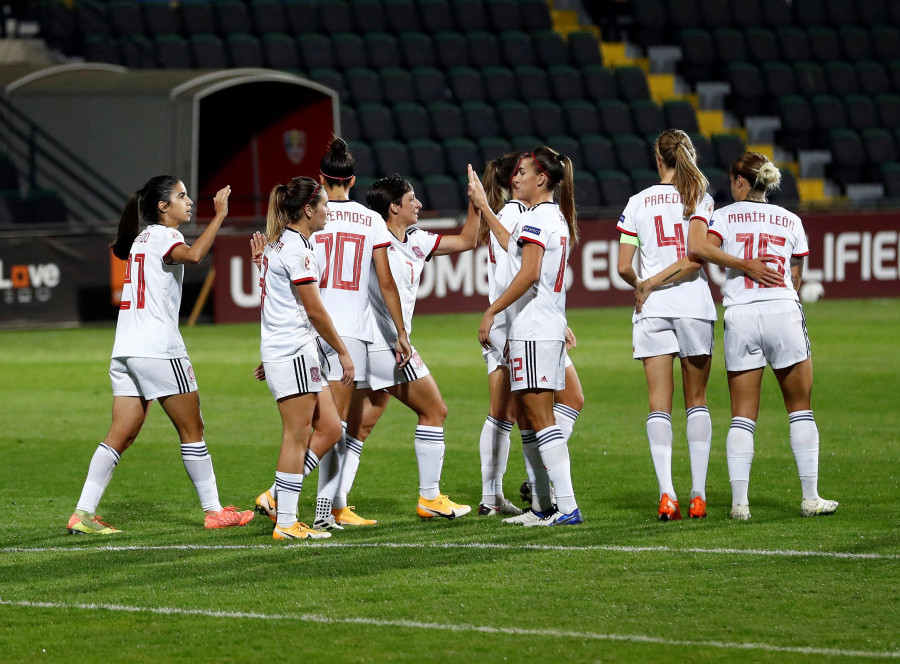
[(461, 627)]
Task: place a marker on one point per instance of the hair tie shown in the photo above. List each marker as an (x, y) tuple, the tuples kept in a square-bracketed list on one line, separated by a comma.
[(333, 177), (313, 195)]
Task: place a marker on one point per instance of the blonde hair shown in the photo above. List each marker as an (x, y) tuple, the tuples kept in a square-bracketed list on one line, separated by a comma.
[(756, 168), (559, 170), (286, 203), (677, 152)]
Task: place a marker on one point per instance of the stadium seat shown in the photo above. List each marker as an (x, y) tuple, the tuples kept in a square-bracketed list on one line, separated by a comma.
[(581, 117), (647, 117), (535, 15), (480, 119), (615, 188), (584, 49), (349, 50), (885, 42), (872, 77), (208, 51), (435, 15), (443, 193), (367, 15), (316, 52), (504, 15), (632, 152), (719, 185), (268, 17), (391, 157), (699, 62), (364, 86), (232, 17), (335, 17), (330, 78), (517, 48), (587, 191), (417, 49), (375, 122), (499, 84), (872, 13), (484, 49), (515, 118), (567, 146), (716, 14), (793, 44), (301, 17), (651, 22), (566, 83), (160, 18), (244, 50), (411, 121), (848, 157), (641, 178), (830, 112), (532, 83), (349, 123), (779, 79), (598, 152), (547, 116), (490, 148), (469, 15), (727, 147), (550, 47), (787, 194), (841, 77), (172, 51), (599, 82), (856, 43), (465, 82), (797, 123), (137, 52), (451, 50), (888, 108), (762, 45), (631, 83), (775, 13), (446, 120), (890, 178), (615, 117), (91, 18), (823, 43), (459, 152), (427, 158), (125, 18), (706, 155), (680, 114), (861, 112), (364, 163), (808, 13), (382, 50), (198, 18), (431, 84), (730, 45), (810, 79), (525, 142), (402, 16), (398, 85), (881, 148), (280, 51), (102, 48)]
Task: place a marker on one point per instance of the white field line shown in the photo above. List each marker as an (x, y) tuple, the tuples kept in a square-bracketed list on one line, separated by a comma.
[(788, 553), (459, 627)]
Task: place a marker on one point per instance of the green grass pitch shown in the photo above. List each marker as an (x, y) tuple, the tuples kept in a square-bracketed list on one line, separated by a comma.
[(620, 588)]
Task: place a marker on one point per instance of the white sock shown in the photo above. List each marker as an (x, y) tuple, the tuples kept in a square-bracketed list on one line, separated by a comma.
[(739, 452), (699, 436), (100, 472), (289, 487), (330, 471), (309, 462), (199, 467), (348, 470), (805, 446), (659, 433), (494, 449), (323, 508), (555, 456), (565, 419), (430, 456), (541, 501)]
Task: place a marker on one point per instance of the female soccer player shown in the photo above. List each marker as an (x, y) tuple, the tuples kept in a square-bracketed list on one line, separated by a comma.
[(505, 201), (292, 314), (413, 385), (149, 359), (349, 251), (763, 324), (676, 320), (535, 302)]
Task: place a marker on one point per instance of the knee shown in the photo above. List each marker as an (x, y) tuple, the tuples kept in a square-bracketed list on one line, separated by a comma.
[(435, 416)]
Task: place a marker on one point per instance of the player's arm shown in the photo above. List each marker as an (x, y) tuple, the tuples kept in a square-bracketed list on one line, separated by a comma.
[(197, 252), (391, 298), (478, 198), (796, 271), (705, 246), (527, 276), (322, 323), (467, 238)]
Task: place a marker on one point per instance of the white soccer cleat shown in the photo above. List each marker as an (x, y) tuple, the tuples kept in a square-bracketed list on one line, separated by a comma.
[(741, 512), (507, 507), (326, 523), (528, 517), (818, 507)]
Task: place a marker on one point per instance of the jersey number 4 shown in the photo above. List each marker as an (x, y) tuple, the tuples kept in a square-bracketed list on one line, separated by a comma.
[(134, 273), (343, 242), (676, 241)]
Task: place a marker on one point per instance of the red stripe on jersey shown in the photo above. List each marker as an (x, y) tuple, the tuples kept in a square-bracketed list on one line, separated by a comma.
[(171, 249), (800, 255), (624, 232), (307, 280), (716, 233), (703, 219), (434, 248), (532, 240), (381, 246)]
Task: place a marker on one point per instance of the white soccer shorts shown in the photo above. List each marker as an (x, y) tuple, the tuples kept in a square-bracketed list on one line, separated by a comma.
[(536, 365), (300, 374), (688, 337), (385, 372), (773, 331), (494, 357), (151, 378), (359, 353)]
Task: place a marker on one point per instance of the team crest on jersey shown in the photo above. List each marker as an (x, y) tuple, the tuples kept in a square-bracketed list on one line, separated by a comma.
[(308, 263), (418, 252), (531, 229), (314, 374), (294, 145)]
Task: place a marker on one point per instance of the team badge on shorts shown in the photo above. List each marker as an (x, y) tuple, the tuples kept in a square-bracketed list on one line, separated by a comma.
[(190, 371), (417, 361), (314, 374)]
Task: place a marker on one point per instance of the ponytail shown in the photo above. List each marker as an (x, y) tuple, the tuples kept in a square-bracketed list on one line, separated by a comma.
[(128, 228), (561, 174), (142, 205), (755, 167), (677, 152), (498, 175), (286, 203)]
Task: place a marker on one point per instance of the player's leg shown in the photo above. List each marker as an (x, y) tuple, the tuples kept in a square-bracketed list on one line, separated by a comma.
[(569, 401), (423, 397), (326, 439), (744, 387), (796, 388), (128, 415), (695, 376), (660, 386), (494, 444)]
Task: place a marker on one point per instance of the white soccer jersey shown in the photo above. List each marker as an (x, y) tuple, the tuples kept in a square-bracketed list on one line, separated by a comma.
[(752, 229), (654, 217), (285, 328), (407, 259), (540, 314), (151, 298), (498, 258), (344, 254)]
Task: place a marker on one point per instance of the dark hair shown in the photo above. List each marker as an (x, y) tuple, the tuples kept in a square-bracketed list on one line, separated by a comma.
[(142, 205), (387, 190), (559, 170), (497, 176), (756, 168), (337, 164), (286, 203), (677, 152)]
